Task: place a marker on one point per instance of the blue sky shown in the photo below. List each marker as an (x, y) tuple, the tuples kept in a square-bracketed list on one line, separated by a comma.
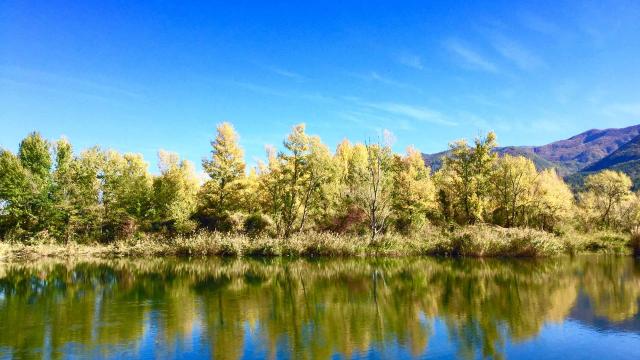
[(140, 76)]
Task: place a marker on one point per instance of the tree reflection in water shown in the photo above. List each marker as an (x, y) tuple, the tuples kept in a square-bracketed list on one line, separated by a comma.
[(299, 308)]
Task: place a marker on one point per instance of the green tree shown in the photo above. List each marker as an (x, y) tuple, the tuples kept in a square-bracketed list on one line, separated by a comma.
[(305, 169), (75, 193), (14, 194), (126, 194), (175, 192), (62, 189), (25, 204), (35, 155), (465, 180), (86, 195)]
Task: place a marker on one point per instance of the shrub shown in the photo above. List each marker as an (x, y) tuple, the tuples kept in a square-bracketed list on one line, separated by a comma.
[(256, 224), (493, 241), (353, 221), (225, 222)]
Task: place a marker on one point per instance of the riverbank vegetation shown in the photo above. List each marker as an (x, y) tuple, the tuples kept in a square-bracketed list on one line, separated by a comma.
[(361, 199)]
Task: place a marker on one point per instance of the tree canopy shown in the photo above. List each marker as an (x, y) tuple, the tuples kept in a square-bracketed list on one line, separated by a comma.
[(360, 188)]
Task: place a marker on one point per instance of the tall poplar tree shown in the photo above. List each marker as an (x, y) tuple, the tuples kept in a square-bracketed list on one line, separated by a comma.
[(226, 170)]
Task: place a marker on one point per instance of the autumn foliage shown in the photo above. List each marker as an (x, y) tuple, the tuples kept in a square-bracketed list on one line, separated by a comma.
[(361, 189)]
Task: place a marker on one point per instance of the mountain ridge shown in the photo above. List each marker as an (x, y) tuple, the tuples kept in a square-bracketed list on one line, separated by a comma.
[(579, 155), (625, 153)]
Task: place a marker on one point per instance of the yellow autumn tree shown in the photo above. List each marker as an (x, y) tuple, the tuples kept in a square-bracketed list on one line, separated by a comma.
[(464, 182), (226, 169), (414, 193), (513, 183), (604, 193), (349, 166), (374, 189), (271, 188), (297, 179), (175, 192), (553, 202)]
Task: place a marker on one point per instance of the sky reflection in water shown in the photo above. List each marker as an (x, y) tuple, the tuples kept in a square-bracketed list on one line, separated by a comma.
[(585, 307)]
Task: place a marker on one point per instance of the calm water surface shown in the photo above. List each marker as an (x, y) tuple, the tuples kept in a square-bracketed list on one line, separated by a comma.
[(579, 308)]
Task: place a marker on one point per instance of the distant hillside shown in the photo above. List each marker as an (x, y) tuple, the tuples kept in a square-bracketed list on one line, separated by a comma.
[(580, 155), (628, 152), (529, 152), (583, 150), (434, 161)]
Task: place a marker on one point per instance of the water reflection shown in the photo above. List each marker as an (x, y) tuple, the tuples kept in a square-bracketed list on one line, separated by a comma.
[(232, 309)]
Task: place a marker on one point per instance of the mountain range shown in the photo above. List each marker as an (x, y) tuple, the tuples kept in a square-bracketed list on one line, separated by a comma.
[(574, 158)]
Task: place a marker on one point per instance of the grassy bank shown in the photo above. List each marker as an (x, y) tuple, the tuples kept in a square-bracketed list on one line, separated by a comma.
[(472, 241)]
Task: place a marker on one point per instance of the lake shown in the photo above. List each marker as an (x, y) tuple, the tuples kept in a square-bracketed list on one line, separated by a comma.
[(565, 308)]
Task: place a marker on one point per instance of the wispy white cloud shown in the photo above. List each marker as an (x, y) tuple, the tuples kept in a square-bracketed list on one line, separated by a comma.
[(470, 57), (260, 89), (271, 91), (65, 84), (286, 73), (413, 112), (385, 80), (371, 119), (603, 21), (374, 76), (375, 121), (474, 120), (515, 52), (411, 60)]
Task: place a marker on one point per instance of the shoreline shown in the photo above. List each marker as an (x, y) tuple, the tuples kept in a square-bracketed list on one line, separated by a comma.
[(480, 241)]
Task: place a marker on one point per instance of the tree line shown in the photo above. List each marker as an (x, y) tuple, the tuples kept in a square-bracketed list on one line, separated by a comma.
[(361, 188)]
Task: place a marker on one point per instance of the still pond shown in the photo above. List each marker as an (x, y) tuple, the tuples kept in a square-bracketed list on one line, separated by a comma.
[(565, 308)]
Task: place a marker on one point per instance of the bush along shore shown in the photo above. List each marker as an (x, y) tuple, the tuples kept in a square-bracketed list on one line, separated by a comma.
[(362, 199), (472, 241)]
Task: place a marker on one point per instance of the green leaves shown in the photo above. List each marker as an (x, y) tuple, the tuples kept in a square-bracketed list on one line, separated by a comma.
[(35, 156), (226, 170), (361, 188), (175, 192), (465, 180)]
